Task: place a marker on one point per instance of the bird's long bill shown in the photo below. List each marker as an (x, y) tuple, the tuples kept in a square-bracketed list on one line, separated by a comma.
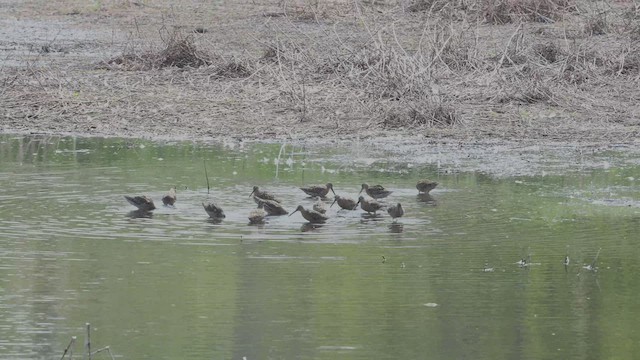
[(358, 203), (334, 201), (252, 192), (334, 193), (360, 191), (293, 212)]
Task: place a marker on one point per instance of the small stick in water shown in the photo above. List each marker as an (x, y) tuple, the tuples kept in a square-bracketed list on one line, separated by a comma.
[(68, 349), (106, 348), (206, 175), (592, 266), (595, 259), (88, 342)]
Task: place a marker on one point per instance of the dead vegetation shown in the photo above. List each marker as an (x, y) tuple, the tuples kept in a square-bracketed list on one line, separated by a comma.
[(179, 51), (543, 11), (429, 114), (315, 68)]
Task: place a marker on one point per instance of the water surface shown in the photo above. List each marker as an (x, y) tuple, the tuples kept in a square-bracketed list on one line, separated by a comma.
[(442, 282)]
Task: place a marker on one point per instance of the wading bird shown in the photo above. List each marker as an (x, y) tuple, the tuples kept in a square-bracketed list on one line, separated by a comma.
[(170, 198), (263, 194), (320, 207), (256, 216), (143, 203), (270, 206), (345, 202), (375, 191), (424, 186), (214, 211), (318, 190), (370, 206), (311, 216), (396, 211)]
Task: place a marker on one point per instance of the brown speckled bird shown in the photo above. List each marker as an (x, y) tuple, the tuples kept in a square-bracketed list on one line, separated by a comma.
[(375, 191), (425, 185), (311, 216), (396, 211), (143, 203), (214, 211), (320, 207), (270, 206), (318, 190), (345, 202), (263, 194), (170, 198), (256, 216), (370, 206)]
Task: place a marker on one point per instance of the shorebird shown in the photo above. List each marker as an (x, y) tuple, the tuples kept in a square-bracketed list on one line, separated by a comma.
[(263, 194), (375, 191), (170, 198), (272, 207), (143, 203), (487, 268), (369, 206), (345, 202), (396, 211), (522, 262), (320, 207), (318, 190), (256, 216), (311, 216), (214, 211), (425, 185)]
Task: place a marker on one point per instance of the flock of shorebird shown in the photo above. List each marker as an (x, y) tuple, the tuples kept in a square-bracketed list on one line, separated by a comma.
[(270, 205)]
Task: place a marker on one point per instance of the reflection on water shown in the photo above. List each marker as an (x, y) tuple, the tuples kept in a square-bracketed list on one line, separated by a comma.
[(427, 199), (214, 221), (136, 214), (396, 227), (174, 283), (371, 217), (306, 227)]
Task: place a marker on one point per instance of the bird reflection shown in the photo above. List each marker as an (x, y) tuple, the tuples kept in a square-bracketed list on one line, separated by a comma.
[(139, 214), (427, 199), (306, 227), (370, 217), (259, 225), (396, 228), (214, 220)]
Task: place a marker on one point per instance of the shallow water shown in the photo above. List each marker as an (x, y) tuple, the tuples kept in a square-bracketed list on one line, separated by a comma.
[(442, 282)]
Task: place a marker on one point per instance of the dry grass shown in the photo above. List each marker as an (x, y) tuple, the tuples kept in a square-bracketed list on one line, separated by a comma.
[(312, 68), (428, 114), (528, 92), (431, 6), (549, 52), (506, 11), (179, 51), (596, 25)]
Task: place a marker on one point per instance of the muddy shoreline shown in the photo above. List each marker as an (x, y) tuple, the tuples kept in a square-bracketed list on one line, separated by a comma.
[(275, 74)]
